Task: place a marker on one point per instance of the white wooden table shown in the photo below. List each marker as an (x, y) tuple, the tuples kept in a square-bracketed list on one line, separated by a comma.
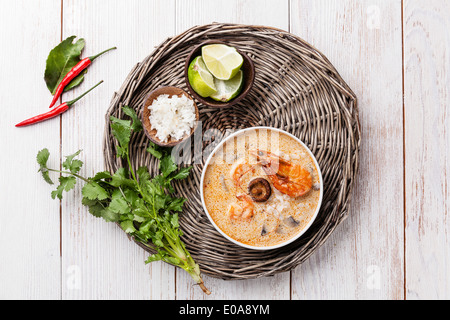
[(394, 54)]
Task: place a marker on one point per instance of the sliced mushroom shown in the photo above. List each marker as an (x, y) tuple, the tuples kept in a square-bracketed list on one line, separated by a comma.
[(264, 231), (291, 222), (260, 190)]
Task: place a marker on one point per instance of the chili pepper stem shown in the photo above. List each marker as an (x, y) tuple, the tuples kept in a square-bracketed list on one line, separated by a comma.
[(97, 55), (71, 102)]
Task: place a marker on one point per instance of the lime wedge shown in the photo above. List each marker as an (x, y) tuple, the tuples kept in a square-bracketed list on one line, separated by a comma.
[(228, 89), (222, 61), (200, 78)]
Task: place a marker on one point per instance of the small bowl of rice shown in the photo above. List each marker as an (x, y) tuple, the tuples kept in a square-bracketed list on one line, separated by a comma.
[(170, 116)]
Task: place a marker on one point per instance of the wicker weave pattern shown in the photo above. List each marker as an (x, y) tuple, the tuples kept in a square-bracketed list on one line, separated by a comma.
[(296, 89)]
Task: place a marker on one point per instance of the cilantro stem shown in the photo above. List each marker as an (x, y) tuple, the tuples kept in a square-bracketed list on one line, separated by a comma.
[(132, 171), (70, 173)]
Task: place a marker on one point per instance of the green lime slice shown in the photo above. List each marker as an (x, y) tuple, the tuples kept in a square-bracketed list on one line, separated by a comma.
[(228, 89), (222, 61), (200, 78)]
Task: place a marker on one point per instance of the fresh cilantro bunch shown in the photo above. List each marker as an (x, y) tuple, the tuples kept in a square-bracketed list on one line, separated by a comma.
[(142, 205)]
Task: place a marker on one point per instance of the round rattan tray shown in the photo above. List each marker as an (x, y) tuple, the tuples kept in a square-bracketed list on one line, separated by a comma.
[(296, 89)]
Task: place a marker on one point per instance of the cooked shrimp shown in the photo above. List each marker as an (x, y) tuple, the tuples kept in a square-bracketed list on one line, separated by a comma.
[(238, 170), (243, 210), (287, 177), (234, 211), (248, 206)]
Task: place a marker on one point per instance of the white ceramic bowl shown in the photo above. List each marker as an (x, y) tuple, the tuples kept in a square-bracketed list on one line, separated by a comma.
[(280, 244)]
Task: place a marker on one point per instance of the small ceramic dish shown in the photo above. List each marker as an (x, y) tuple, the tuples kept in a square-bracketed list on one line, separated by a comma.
[(249, 77), (149, 131)]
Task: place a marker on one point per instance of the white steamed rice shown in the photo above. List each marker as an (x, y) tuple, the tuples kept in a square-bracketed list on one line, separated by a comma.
[(172, 117)]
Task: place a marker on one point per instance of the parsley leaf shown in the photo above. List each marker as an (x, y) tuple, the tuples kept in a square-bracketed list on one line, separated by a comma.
[(167, 166), (136, 126), (118, 203), (110, 216), (65, 184), (102, 176), (143, 175), (128, 226), (182, 174), (121, 178), (42, 158), (121, 130), (99, 209), (176, 204), (95, 206), (93, 191), (72, 165), (153, 150)]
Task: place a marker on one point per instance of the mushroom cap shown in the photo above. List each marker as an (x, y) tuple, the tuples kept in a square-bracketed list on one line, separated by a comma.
[(259, 189)]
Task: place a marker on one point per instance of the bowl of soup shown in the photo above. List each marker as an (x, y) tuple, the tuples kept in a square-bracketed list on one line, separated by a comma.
[(261, 188)]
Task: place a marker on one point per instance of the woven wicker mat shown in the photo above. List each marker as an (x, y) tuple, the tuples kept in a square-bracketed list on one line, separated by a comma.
[(296, 89)]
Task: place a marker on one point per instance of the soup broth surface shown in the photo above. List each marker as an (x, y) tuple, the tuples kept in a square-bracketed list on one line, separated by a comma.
[(270, 222)]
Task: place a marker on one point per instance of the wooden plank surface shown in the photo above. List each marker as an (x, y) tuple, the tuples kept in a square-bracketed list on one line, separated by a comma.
[(29, 227), (363, 259), (427, 137)]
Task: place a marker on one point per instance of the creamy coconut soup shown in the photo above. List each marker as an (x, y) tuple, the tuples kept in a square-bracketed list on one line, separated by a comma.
[(261, 188)]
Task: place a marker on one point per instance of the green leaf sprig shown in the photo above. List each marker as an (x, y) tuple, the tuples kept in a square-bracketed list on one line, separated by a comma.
[(142, 205), (61, 60)]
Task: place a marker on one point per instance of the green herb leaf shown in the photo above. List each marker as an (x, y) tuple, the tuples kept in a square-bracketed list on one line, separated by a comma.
[(174, 220), (176, 204), (121, 179), (118, 203), (143, 175), (61, 60), (95, 207), (128, 226), (137, 124), (154, 257), (182, 174), (131, 196), (121, 130), (93, 191), (153, 150), (42, 158), (99, 209), (167, 166), (71, 164), (110, 216), (65, 184), (102, 176), (76, 81), (145, 227)]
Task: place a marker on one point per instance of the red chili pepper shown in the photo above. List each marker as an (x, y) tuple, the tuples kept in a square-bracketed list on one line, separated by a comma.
[(55, 111), (75, 71)]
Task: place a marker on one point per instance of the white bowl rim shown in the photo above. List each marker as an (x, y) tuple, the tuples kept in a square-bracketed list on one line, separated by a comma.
[(297, 236)]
